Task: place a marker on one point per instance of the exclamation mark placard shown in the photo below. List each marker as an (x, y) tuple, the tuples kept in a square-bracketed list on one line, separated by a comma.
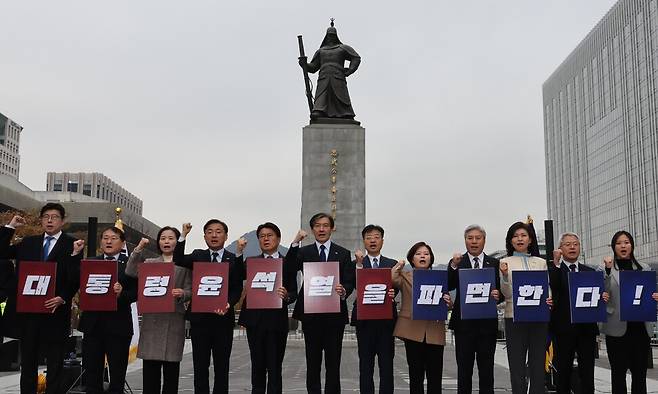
[(638, 294)]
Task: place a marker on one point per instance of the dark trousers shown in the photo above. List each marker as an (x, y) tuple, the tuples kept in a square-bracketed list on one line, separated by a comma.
[(214, 338), (472, 346), (425, 362), (32, 345), (328, 339), (629, 352), (526, 343), (375, 339), (566, 346), (153, 370), (266, 348), (95, 346)]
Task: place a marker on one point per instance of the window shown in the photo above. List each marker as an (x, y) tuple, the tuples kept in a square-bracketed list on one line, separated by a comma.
[(57, 187), (73, 187), (86, 189)]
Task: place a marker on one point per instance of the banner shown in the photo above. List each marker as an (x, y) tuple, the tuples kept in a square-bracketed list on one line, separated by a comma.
[(636, 288), (429, 286), (475, 286), (373, 302), (209, 287), (155, 283), (529, 294), (585, 301), (36, 285), (97, 279), (264, 276), (320, 280)]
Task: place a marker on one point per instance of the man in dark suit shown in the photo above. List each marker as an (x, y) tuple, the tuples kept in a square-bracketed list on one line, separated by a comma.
[(109, 333), (213, 332), (475, 340), (44, 332), (267, 329), (374, 337), (323, 332), (570, 339)]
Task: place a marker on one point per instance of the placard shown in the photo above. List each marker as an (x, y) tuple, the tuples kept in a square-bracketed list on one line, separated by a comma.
[(635, 290), (209, 286), (97, 279), (429, 286), (264, 277), (320, 280), (586, 304), (36, 285), (475, 286), (155, 283), (373, 302), (529, 294)]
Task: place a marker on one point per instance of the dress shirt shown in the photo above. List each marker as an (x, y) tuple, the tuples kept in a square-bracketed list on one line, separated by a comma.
[(52, 242), (480, 259)]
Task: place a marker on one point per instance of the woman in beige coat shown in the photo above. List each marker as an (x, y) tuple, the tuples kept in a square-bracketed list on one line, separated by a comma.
[(423, 339), (526, 341), (162, 335)]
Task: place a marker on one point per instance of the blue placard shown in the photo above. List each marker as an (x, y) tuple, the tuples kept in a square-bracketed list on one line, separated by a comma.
[(529, 294), (475, 286), (635, 290), (429, 286), (585, 297)]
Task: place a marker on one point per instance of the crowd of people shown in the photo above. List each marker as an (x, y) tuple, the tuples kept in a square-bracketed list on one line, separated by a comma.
[(107, 335)]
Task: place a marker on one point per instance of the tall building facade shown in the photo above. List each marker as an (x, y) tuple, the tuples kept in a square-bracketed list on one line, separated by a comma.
[(93, 184), (600, 133), (10, 135)]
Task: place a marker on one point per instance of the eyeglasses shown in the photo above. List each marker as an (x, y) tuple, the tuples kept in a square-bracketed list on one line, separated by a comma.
[(50, 217)]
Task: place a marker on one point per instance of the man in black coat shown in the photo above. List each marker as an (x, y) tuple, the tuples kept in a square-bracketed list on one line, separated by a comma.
[(323, 332), (570, 339), (267, 329), (109, 332), (475, 340), (213, 332), (374, 337), (44, 332)]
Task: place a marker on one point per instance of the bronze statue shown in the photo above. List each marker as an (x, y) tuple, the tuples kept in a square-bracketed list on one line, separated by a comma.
[(332, 100)]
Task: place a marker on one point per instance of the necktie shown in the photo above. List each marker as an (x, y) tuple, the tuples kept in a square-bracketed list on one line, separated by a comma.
[(375, 263), (476, 263), (214, 257), (109, 257), (572, 267), (323, 255), (46, 247)]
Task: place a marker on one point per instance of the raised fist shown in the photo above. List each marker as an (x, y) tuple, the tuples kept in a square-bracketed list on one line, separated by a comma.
[(78, 246), (242, 243), (503, 268), (301, 234), (143, 243), (358, 255), (607, 261), (17, 221), (187, 227), (557, 255), (456, 259)]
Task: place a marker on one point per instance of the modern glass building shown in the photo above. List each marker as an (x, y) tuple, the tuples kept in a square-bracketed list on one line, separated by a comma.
[(600, 133)]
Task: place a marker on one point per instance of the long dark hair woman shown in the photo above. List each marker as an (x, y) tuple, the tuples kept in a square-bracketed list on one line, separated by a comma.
[(526, 341), (162, 335), (627, 343), (423, 339)]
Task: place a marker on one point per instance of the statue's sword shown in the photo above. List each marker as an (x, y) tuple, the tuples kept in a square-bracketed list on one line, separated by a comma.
[(307, 81)]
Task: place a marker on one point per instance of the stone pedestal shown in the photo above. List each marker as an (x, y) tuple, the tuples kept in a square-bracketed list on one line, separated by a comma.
[(334, 179)]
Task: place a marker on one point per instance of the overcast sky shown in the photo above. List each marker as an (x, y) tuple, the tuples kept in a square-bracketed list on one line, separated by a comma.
[(197, 107)]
